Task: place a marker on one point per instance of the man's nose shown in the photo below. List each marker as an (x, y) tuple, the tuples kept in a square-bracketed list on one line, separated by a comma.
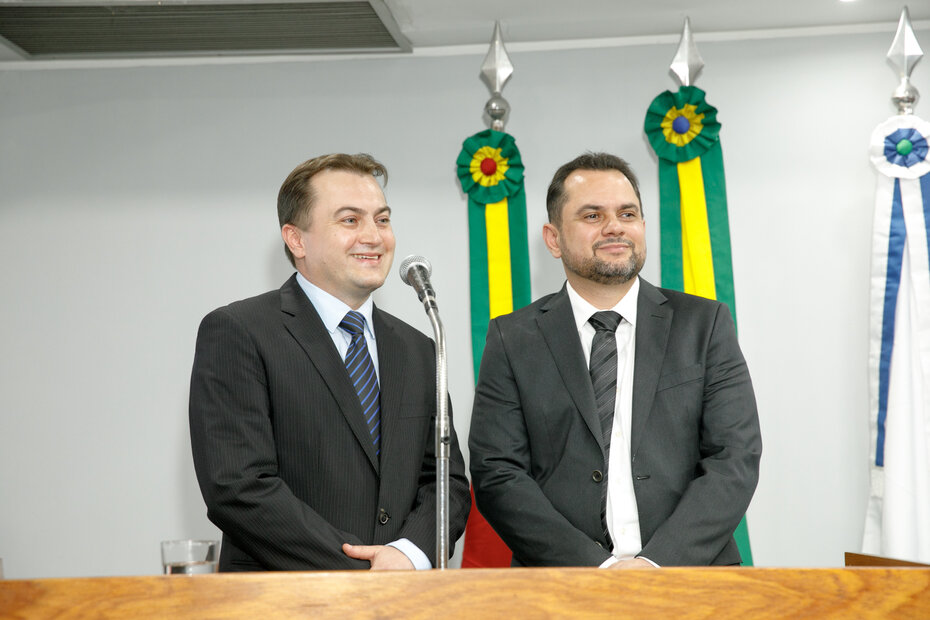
[(368, 232), (612, 226)]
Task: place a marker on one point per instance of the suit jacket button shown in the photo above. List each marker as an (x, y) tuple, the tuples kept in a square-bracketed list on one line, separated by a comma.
[(383, 516), (596, 475)]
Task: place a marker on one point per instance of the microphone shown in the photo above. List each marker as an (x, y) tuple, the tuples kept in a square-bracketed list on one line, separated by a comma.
[(415, 271)]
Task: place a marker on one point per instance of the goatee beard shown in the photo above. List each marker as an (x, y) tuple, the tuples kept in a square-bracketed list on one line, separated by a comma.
[(603, 272)]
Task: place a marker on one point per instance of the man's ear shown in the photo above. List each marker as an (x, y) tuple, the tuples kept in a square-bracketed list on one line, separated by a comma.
[(551, 239), (293, 240)]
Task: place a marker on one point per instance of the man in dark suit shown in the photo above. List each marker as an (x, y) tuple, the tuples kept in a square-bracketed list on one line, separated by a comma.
[(312, 412), (614, 423)]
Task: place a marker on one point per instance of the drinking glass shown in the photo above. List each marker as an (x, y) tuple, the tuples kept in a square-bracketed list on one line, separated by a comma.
[(189, 557)]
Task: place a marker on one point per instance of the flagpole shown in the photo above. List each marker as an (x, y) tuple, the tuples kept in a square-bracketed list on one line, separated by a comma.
[(495, 71)]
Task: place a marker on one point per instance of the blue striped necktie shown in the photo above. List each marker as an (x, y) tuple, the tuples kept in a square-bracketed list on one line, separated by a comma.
[(362, 375)]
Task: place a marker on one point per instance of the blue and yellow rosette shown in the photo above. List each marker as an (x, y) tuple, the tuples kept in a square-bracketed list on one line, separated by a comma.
[(685, 134), (491, 173)]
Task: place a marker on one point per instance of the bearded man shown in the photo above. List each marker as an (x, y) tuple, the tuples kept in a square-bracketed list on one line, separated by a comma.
[(614, 422)]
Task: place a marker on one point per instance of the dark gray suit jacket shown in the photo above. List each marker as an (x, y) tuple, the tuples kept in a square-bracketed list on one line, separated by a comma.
[(281, 450), (535, 439)]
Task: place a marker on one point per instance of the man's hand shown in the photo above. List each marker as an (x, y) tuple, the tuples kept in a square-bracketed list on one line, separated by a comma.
[(632, 563), (381, 557)]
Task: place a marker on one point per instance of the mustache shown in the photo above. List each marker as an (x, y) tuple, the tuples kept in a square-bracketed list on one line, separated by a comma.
[(614, 241)]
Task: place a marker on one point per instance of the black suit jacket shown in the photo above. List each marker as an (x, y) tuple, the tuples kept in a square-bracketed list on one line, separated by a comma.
[(281, 450), (535, 437)]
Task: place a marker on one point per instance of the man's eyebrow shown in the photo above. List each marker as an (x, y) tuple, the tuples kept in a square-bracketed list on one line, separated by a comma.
[(360, 211), (599, 207)]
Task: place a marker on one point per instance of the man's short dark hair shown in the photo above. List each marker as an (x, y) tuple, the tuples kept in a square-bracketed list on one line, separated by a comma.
[(296, 196), (555, 197)]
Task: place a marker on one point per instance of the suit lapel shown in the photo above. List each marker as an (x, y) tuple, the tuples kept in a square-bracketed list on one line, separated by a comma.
[(654, 319), (391, 368), (557, 324), (305, 325)]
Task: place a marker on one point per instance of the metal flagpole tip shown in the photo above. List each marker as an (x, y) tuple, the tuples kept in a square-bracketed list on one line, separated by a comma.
[(903, 55), (495, 71), (687, 63)]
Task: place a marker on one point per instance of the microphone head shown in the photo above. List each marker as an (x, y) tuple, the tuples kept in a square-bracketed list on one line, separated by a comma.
[(414, 261)]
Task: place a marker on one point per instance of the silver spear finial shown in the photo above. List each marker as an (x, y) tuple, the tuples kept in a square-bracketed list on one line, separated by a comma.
[(904, 53), (687, 62), (495, 71)]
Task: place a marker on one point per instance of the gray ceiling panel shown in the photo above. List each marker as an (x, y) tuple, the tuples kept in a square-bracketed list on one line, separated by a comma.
[(108, 29)]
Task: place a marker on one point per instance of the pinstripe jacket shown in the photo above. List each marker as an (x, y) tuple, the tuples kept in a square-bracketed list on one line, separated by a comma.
[(281, 450)]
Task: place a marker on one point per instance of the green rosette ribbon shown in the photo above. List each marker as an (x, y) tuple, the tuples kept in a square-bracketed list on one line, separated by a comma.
[(694, 134), (490, 188)]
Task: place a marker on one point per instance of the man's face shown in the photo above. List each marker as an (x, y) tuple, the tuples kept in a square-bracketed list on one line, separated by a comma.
[(602, 237), (348, 247)]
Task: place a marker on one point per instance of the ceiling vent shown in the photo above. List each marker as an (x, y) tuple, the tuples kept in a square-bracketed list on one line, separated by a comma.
[(73, 29)]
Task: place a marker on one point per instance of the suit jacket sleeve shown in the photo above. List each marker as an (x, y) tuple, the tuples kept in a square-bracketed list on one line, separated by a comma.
[(235, 458), (501, 461), (420, 525), (713, 503)]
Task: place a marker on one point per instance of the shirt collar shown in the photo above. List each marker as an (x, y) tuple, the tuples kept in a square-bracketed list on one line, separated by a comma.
[(332, 310), (582, 310)]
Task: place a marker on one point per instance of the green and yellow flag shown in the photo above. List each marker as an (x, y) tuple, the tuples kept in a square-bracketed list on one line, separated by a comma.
[(491, 173), (695, 231)]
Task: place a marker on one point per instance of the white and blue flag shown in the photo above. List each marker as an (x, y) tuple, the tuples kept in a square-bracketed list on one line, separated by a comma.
[(898, 516)]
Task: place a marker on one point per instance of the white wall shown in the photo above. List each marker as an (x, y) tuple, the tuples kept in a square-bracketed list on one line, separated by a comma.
[(135, 200)]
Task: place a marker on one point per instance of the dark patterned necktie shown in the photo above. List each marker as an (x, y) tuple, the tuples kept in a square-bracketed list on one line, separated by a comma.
[(603, 369), (361, 371)]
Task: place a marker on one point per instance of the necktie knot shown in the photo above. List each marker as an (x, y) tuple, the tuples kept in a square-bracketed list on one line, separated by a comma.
[(353, 322), (607, 320)]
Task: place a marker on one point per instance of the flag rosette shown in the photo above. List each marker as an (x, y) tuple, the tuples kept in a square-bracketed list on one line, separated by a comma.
[(489, 167), (899, 147), (681, 125)]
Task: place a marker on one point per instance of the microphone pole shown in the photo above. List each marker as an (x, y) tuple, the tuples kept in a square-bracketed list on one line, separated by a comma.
[(415, 271)]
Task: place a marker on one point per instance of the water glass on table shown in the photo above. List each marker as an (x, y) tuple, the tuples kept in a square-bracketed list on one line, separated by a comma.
[(189, 557)]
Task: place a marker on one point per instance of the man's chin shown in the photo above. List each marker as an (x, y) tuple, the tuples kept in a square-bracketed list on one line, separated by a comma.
[(607, 273), (371, 283)]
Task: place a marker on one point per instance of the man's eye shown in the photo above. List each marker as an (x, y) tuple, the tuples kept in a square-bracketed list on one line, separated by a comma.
[(350, 220)]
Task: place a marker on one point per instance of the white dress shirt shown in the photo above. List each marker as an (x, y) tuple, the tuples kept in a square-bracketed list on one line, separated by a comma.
[(622, 512), (332, 310)]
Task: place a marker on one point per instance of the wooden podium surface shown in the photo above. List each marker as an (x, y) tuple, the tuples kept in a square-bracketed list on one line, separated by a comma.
[(484, 593)]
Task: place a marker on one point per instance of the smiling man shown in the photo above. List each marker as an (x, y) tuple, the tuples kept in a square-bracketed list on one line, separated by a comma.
[(614, 422), (312, 412)]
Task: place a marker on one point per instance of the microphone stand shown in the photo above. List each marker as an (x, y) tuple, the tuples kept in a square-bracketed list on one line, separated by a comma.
[(443, 437)]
